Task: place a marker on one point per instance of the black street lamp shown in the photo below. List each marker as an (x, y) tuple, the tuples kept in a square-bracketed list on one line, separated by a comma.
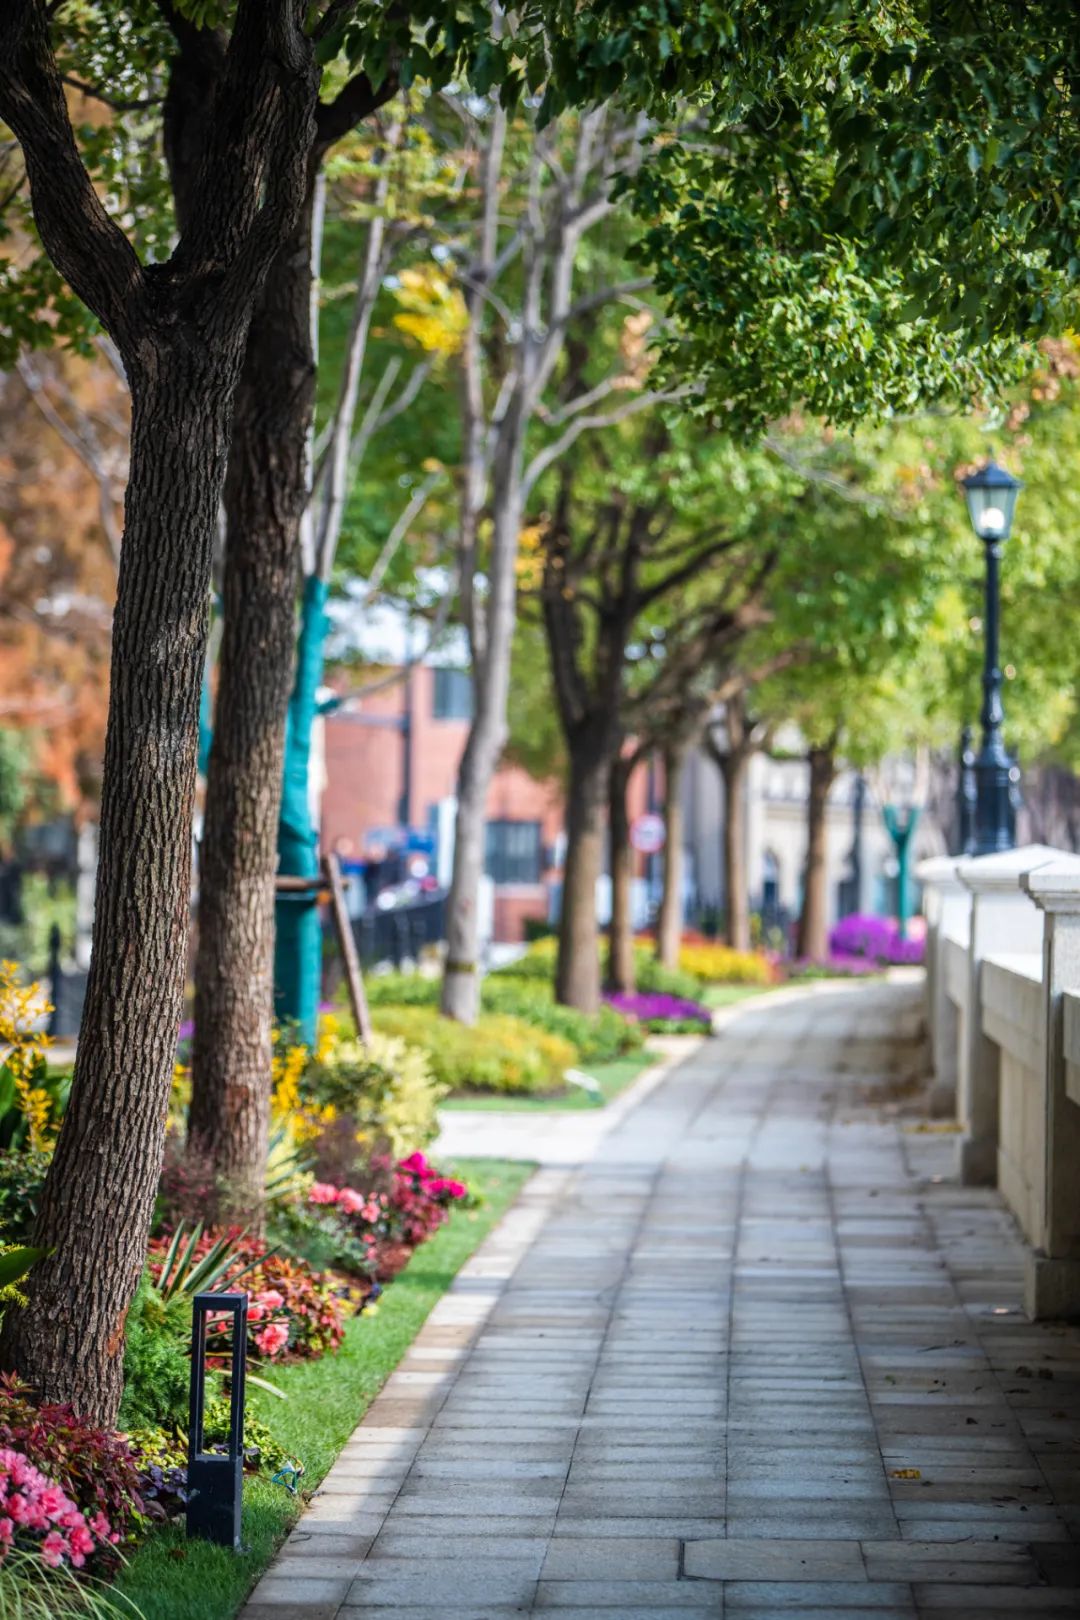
[(991, 501)]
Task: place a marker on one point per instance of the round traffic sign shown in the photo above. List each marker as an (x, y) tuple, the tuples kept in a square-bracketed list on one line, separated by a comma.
[(647, 834)]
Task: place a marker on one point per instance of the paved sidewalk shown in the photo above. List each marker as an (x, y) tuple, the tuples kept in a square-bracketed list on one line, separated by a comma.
[(760, 1356)]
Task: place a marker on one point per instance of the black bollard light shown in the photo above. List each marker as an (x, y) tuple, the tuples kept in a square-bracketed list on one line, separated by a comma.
[(216, 1480)]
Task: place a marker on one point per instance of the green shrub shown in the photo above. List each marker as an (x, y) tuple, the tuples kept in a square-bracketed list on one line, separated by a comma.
[(599, 1037), (537, 963), (651, 976), (388, 1088), (402, 990), (499, 1054), (22, 1176), (156, 1365)]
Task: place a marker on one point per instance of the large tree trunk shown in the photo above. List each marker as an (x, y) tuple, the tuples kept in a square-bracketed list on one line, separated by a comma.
[(68, 1341), (577, 973), (813, 933), (670, 921), (265, 491), (734, 768), (620, 963)]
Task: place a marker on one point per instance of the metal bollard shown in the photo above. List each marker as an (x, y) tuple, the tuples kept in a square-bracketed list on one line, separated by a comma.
[(216, 1482)]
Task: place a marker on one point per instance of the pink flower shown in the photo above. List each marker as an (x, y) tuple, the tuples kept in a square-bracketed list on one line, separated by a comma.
[(53, 1549), (82, 1542), (416, 1164), (323, 1193), (53, 1502), (17, 1508), (101, 1527), (456, 1189), (256, 1312), (271, 1299), (371, 1210), (273, 1338), (6, 1531), (351, 1202)]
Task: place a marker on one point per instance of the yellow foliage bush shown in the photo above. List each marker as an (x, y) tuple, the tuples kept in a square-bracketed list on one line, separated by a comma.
[(719, 964), (499, 1053), (23, 1070)]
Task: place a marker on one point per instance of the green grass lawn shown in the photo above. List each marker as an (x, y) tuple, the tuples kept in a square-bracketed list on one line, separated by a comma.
[(611, 1077), (171, 1578), (725, 995)]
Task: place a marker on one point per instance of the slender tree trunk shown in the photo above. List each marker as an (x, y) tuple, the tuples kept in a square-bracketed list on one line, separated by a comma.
[(265, 491), (483, 750), (813, 933), (734, 769), (68, 1341), (670, 921), (577, 974), (620, 965)]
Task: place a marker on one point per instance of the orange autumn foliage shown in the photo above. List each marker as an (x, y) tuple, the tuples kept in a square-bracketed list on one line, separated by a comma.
[(57, 574)]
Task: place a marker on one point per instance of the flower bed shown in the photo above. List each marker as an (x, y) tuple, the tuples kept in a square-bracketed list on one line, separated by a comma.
[(662, 1014), (875, 939)]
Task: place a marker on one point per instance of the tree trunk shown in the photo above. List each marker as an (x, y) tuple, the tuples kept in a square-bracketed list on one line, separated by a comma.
[(670, 921), (734, 767), (577, 973), (94, 1217), (620, 965), (265, 491), (483, 750), (813, 933)]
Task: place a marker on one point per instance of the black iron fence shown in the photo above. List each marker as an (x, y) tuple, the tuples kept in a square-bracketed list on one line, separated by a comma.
[(401, 934)]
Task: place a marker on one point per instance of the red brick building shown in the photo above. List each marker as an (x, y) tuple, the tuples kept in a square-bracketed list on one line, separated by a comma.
[(392, 757)]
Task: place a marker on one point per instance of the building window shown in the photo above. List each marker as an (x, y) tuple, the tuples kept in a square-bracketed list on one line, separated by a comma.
[(453, 695), (513, 851)]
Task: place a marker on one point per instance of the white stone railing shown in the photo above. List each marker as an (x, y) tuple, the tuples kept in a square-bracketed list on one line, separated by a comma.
[(1003, 1005)]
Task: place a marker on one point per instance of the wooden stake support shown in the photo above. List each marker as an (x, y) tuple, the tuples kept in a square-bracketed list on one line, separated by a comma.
[(343, 925)]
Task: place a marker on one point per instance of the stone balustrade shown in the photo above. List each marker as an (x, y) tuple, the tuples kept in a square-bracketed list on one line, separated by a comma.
[(1003, 1007)]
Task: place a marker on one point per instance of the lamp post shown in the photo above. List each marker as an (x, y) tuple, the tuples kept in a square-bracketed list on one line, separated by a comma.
[(991, 501)]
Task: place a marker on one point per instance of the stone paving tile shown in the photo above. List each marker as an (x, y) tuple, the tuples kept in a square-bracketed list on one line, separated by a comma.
[(830, 1596), (622, 1558), (758, 1355), (740, 1559)]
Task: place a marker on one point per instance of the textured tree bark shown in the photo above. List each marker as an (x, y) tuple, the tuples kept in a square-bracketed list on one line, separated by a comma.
[(577, 977), (98, 1199), (813, 933), (734, 767), (620, 963), (670, 921), (265, 493)]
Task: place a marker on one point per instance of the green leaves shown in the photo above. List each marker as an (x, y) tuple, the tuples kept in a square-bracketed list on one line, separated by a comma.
[(15, 1263)]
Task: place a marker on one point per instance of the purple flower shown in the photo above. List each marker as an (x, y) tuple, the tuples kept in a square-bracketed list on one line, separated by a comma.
[(658, 1008), (874, 939)]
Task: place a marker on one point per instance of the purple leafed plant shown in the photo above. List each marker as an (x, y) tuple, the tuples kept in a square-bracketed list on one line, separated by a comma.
[(874, 939), (659, 1011)]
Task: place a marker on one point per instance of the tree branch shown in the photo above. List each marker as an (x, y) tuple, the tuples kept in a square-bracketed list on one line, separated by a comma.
[(86, 245)]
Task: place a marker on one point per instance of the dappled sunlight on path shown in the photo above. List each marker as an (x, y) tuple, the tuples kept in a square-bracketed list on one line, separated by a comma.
[(758, 1355)]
